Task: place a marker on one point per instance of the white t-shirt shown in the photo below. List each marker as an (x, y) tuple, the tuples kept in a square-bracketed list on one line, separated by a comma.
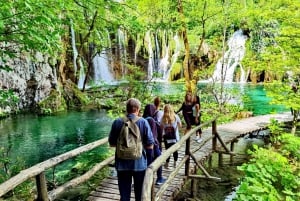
[(159, 114), (175, 125)]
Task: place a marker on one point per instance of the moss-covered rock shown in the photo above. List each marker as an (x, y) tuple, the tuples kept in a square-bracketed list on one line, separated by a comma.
[(54, 103), (73, 96)]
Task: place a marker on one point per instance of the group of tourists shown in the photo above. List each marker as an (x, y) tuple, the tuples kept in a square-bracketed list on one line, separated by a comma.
[(154, 128)]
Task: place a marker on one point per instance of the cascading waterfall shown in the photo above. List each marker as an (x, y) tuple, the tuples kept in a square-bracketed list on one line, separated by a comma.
[(75, 52), (101, 69), (160, 62), (75, 55), (102, 64), (122, 50), (227, 65), (156, 53), (150, 52), (176, 52), (165, 63)]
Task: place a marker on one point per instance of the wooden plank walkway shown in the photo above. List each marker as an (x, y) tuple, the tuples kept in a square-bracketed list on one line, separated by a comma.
[(108, 189)]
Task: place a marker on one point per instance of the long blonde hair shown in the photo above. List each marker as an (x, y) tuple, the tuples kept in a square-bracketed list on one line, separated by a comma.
[(169, 115)]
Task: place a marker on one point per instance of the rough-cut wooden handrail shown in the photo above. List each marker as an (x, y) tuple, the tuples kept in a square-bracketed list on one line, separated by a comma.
[(148, 181), (78, 180), (38, 170)]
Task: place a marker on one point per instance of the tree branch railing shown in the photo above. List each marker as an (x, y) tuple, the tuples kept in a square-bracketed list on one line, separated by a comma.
[(148, 186), (38, 171)]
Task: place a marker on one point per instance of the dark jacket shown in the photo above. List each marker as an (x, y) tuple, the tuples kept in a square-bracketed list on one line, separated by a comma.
[(148, 114)]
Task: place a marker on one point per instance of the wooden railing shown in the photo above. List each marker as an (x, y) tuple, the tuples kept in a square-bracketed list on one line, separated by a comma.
[(38, 171), (148, 186)]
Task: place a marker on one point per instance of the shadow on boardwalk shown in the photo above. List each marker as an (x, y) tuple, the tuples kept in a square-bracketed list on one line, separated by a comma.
[(229, 133)]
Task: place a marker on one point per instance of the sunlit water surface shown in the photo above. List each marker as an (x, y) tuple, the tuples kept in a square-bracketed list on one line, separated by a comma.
[(37, 138)]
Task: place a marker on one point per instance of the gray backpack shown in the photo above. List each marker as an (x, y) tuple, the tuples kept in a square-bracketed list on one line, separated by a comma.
[(129, 143)]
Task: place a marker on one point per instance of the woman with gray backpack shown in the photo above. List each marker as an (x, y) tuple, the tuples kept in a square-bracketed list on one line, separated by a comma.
[(170, 124)]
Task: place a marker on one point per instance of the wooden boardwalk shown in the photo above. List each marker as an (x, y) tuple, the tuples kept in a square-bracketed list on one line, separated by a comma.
[(230, 132)]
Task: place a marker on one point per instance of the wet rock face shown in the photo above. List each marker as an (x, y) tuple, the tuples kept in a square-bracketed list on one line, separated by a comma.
[(31, 78)]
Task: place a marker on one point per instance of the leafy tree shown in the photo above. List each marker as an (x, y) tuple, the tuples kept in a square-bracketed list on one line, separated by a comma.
[(28, 25), (287, 95)]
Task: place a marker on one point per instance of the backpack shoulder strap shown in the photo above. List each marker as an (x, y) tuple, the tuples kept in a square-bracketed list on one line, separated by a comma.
[(125, 119), (136, 118)]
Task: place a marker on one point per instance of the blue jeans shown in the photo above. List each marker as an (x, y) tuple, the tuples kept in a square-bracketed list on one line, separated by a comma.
[(125, 181), (151, 156)]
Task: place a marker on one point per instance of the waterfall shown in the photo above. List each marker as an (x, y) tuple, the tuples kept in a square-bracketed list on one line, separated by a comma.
[(161, 63), (231, 59), (164, 63), (176, 52), (75, 55), (101, 69), (122, 50), (75, 52), (150, 52), (81, 78)]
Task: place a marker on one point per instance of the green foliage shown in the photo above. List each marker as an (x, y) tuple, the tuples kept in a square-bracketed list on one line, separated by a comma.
[(285, 93), (74, 168), (31, 25), (268, 176), (290, 146), (9, 168), (176, 70), (132, 87), (52, 104), (275, 130), (8, 99)]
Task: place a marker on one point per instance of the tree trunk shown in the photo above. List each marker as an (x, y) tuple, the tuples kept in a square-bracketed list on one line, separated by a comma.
[(186, 70), (295, 121), (203, 29), (63, 57)]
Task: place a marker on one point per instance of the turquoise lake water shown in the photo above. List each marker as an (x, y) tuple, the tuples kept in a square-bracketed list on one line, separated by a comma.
[(37, 138)]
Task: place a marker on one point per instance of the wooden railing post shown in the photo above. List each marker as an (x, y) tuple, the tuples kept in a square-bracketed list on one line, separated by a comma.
[(41, 185), (147, 185), (194, 184), (187, 153), (214, 131), (231, 149), (220, 160)]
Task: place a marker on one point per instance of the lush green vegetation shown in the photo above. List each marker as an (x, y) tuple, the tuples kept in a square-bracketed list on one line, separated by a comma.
[(273, 51), (273, 173)]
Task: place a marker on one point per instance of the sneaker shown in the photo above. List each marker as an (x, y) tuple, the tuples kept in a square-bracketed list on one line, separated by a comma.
[(199, 140), (160, 181), (197, 137)]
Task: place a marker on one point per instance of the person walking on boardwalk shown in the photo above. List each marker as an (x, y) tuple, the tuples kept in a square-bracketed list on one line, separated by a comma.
[(157, 116), (156, 152), (190, 110), (131, 168), (158, 113), (170, 125), (187, 110), (197, 117)]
